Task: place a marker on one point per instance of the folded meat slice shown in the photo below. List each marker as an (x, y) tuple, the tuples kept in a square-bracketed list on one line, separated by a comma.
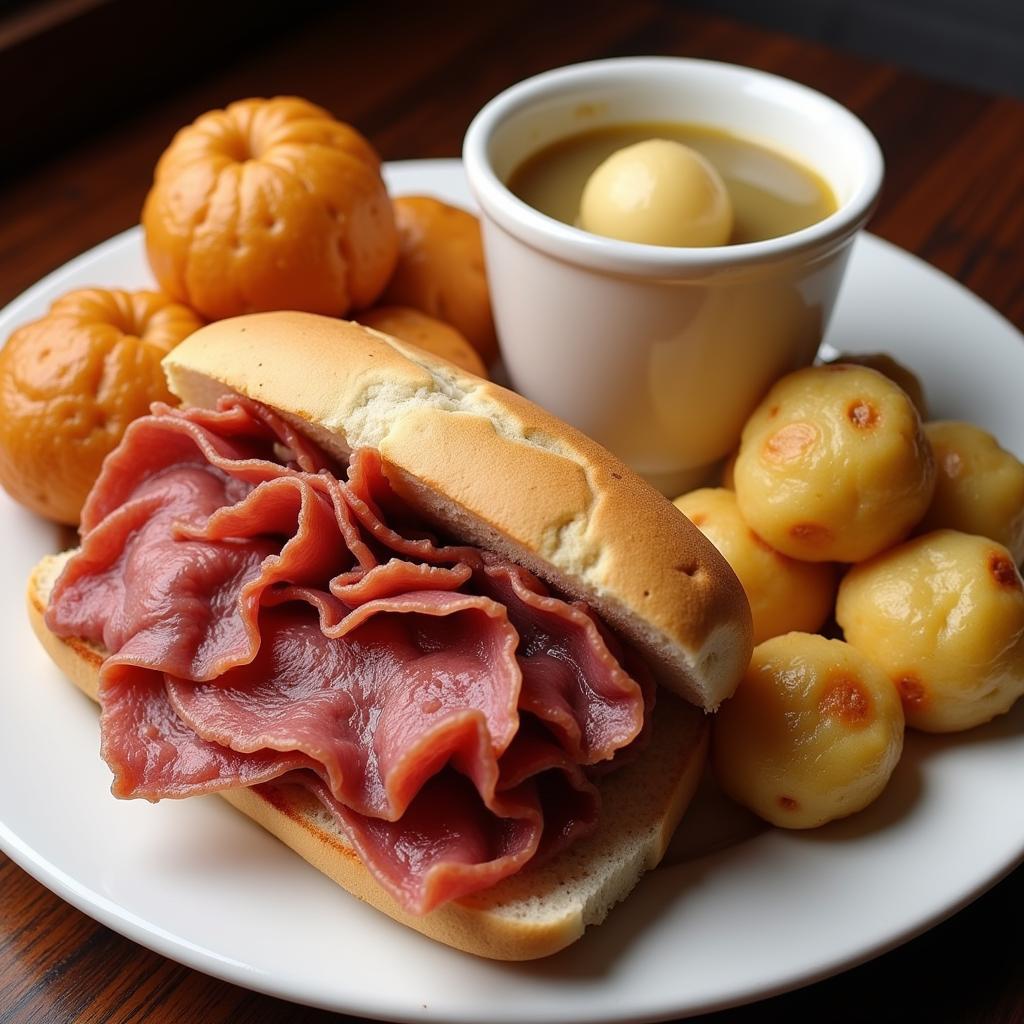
[(271, 614), (425, 865), (409, 685), (367, 493), (155, 754), (571, 679)]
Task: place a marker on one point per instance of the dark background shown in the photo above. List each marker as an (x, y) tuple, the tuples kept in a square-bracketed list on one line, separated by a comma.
[(974, 42), (65, 64)]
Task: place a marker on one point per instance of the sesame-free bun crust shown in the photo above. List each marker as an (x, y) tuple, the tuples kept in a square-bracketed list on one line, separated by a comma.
[(533, 914), (495, 470)]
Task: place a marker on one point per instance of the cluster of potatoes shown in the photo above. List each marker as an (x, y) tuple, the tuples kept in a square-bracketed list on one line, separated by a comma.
[(843, 511), (267, 204)]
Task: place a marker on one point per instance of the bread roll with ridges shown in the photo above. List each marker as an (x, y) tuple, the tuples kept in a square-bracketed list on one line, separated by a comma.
[(532, 914), (497, 471)]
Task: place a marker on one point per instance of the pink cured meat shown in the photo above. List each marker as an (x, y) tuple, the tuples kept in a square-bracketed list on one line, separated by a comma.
[(272, 615)]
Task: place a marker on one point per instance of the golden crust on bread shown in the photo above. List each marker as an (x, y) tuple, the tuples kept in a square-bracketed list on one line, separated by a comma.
[(534, 913), (498, 471)]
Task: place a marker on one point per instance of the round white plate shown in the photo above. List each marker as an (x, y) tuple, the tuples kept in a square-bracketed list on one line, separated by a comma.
[(763, 913)]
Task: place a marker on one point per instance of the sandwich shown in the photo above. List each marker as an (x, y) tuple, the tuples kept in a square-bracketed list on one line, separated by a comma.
[(444, 646)]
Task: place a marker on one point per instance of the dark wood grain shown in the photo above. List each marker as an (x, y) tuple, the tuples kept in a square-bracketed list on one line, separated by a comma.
[(411, 78)]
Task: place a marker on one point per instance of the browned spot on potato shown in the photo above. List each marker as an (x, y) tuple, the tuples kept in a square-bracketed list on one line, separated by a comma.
[(847, 700), (759, 541), (812, 533), (788, 803), (698, 519), (836, 367), (790, 442), (1004, 571), (913, 692), (952, 464), (773, 412), (862, 414)]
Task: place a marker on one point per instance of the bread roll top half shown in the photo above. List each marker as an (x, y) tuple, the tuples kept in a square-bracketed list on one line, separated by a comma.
[(490, 468)]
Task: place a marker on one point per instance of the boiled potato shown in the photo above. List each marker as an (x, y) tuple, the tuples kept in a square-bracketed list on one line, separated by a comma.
[(784, 594), (657, 192), (812, 734), (892, 368), (979, 487), (728, 474), (834, 465), (943, 615)]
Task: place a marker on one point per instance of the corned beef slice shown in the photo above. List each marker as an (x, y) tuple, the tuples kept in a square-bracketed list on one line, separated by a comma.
[(265, 621)]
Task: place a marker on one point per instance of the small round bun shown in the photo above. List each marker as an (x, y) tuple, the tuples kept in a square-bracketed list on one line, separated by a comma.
[(71, 382), (493, 469), (440, 269), (270, 204), (426, 331)]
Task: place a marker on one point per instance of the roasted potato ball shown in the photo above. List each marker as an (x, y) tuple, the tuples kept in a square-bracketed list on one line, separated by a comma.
[(419, 329), (784, 594), (834, 465), (979, 487), (943, 615), (813, 733), (896, 372)]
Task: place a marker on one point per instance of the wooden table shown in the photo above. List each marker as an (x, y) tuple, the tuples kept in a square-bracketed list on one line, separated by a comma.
[(953, 195)]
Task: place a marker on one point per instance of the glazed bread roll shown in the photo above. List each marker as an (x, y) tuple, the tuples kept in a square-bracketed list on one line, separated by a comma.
[(495, 470), (270, 204), (427, 332), (441, 271), (439, 435), (72, 381)]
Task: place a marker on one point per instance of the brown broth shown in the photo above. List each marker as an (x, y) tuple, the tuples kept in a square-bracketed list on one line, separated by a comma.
[(771, 194)]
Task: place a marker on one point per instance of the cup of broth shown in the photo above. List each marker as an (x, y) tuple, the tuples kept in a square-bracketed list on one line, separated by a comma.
[(665, 237)]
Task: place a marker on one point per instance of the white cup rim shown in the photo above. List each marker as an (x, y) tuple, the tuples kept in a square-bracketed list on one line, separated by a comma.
[(635, 259)]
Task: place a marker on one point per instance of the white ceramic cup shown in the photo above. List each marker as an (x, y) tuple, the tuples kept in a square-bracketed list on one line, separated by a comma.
[(661, 353)]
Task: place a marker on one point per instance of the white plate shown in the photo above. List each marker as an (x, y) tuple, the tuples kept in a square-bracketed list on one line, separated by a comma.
[(202, 885)]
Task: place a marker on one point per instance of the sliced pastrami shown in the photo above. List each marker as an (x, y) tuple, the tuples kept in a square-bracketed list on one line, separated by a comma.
[(272, 616)]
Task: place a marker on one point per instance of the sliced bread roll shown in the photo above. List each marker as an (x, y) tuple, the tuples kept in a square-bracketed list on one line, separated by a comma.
[(531, 915), (489, 468), (495, 470)]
